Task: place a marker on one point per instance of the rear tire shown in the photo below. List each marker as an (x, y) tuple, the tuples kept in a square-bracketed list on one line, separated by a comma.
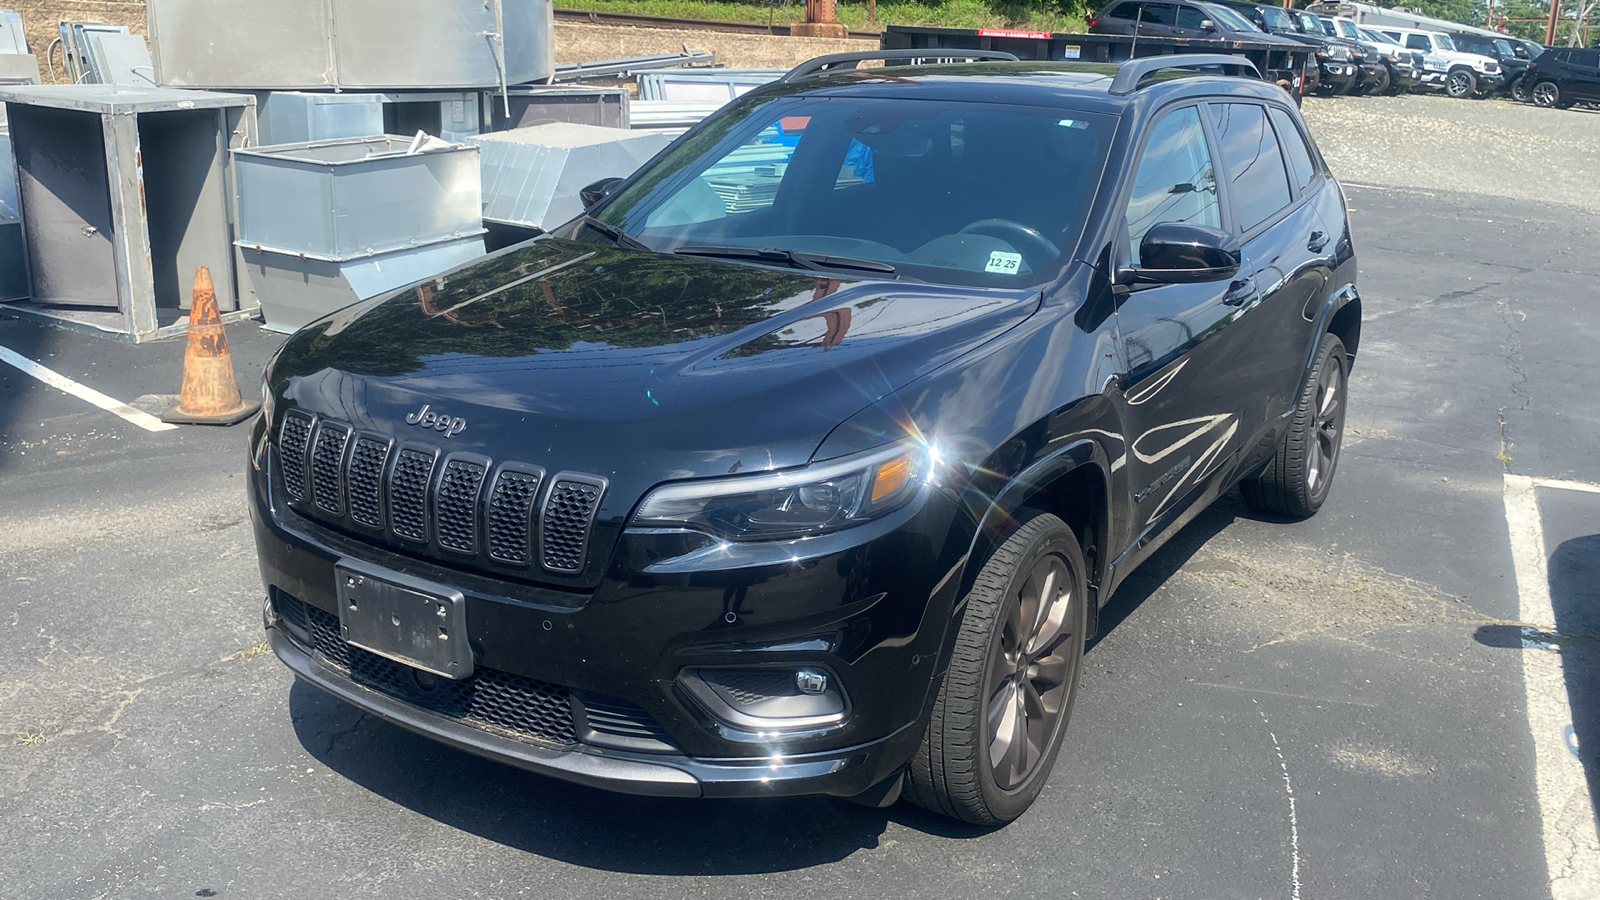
[(1296, 479), (1461, 84), (1003, 705)]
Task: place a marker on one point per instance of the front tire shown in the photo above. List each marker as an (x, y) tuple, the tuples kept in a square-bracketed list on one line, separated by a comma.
[(1296, 479), (1380, 86), (1461, 84), (1547, 94), (1003, 705), (1522, 91)]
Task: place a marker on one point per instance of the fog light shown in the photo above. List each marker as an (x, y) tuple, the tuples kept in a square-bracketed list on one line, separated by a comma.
[(769, 699), (810, 682)]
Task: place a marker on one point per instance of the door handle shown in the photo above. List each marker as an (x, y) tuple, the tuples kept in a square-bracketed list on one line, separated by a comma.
[(1318, 240), (1241, 292)]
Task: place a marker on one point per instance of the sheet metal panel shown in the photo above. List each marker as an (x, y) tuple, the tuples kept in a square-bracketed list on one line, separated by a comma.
[(354, 198), (354, 44)]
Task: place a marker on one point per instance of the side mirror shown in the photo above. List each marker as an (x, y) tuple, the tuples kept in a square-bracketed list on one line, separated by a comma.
[(598, 191), (1207, 25), (1181, 253)]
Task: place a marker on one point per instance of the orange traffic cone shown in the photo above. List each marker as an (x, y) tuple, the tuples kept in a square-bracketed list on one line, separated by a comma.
[(209, 395)]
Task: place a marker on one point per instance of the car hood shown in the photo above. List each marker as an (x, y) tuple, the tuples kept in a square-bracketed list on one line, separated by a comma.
[(637, 366)]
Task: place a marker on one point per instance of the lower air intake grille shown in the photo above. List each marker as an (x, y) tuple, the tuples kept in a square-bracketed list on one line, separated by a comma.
[(490, 700), (292, 441), (564, 530), (408, 493)]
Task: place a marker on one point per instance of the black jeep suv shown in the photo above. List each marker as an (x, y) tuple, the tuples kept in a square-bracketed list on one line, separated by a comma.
[(803, 462), (1565, 76)]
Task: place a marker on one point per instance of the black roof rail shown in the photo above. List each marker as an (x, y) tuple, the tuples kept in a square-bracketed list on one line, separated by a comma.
[(847, 61), (1127, 79)]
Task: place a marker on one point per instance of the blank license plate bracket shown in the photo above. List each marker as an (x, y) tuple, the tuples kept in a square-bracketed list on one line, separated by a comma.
[(419, 623)]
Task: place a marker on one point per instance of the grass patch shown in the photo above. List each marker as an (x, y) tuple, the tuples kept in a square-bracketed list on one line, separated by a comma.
[(1069, 16), (29, 738), (251, 652)]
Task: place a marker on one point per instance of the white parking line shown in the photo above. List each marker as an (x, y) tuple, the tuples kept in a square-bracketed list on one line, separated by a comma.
[(61, 382), (1571, 849)]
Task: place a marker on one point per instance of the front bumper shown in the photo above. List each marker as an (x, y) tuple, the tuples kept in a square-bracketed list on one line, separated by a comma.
[(844, 773), (869, 605)]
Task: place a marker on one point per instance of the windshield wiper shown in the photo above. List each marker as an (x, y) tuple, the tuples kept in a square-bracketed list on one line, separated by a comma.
[(618, 237), (799, 259)]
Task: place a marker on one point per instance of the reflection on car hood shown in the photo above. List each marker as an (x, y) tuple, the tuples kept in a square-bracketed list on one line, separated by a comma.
[(587, 357)]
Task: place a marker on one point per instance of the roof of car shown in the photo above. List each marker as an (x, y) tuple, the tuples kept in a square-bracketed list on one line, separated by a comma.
[(1083, 86)]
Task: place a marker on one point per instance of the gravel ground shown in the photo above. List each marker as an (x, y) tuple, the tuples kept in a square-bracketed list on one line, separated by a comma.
[(1490, 147), (582, 43)]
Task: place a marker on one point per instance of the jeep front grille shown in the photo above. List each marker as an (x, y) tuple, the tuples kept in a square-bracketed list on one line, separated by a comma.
[(417, 498)]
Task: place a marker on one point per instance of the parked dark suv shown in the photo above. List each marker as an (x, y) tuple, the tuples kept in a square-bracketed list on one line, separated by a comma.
[(1564, 76), (803, 462), (1514, 60), (1193, 20)]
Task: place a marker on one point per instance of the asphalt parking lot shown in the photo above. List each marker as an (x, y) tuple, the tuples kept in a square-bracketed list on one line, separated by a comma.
[(1397, 698)]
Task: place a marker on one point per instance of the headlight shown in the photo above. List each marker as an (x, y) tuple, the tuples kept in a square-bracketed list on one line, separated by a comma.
[(794, 503)]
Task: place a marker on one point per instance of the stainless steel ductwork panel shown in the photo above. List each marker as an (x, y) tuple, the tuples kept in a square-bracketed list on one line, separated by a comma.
[(355, 44)]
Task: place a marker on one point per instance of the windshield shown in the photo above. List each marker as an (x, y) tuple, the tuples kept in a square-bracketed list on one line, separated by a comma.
[(1443, 42), (1311, 24), (1347, 29), (1504, 48), (1231, 20), (1378, 37), (945, 192)]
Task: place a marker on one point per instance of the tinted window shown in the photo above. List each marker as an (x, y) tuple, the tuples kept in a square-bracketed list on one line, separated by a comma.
[(1418, 42), (1175, 181), (1589, 58), (1124, 11), (1190, 17), (1160, 14), (1251, 162), (1301, 169)]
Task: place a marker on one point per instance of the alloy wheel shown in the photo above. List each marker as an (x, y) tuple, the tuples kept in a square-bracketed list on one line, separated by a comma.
[(1328, 426), (1459, 85), (1545, 93), (1031, 671)]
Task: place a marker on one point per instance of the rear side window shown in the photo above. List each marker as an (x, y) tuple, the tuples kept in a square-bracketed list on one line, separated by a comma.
[(1160, 14), (1190, 17), (1586, 58), (1295, 151), (1175, 181), (1251, 162), (1124, 11), (1418, 42)]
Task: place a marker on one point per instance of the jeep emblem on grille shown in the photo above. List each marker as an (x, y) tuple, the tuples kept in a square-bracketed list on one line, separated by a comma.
[(450, 426)]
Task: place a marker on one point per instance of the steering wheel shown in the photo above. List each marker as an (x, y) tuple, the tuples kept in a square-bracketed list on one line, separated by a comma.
[(1034, 247)]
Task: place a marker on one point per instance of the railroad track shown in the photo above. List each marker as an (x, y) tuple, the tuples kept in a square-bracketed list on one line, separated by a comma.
[(609, 18)]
